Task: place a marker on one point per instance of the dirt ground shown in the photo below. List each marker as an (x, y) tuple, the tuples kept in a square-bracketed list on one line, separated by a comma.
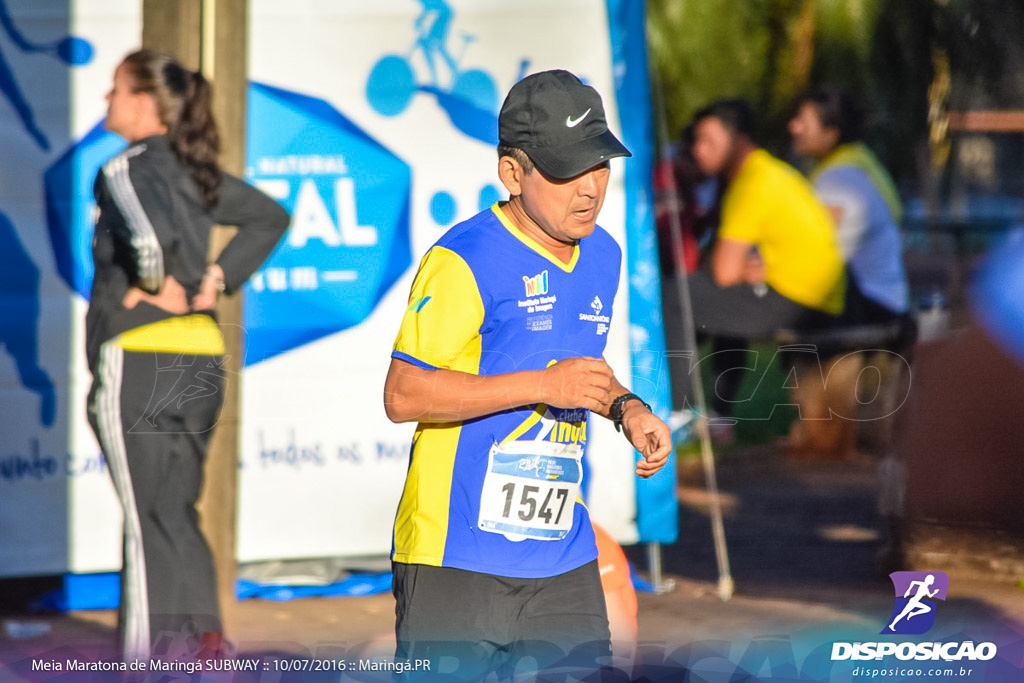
[(803, 541)]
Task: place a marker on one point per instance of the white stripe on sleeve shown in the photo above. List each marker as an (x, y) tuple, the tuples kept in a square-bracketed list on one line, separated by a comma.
[(148, 253)]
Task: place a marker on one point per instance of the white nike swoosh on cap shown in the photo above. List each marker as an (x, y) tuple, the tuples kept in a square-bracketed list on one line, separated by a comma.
[(570, 122)]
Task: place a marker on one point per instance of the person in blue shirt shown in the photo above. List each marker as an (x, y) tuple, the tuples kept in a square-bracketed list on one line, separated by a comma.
[(499, 361), (862, 198)]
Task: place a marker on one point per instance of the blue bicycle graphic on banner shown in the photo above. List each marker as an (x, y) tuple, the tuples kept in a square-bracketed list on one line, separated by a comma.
[(19, 274), (71, 50), (468, 96)]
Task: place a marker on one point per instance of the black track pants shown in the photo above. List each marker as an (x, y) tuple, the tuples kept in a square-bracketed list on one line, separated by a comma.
[(153, 414)]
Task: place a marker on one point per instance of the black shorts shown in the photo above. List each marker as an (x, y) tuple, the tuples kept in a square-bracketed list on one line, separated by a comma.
[(469, 623)]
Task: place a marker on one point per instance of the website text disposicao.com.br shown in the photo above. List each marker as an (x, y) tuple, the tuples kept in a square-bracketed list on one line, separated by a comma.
[(952, 659), (869, 672)]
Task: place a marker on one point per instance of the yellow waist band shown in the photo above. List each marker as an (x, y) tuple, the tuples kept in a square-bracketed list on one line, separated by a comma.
[(195, 334)]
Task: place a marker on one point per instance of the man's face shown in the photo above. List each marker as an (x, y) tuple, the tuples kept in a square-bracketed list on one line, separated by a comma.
[(810, 138), (565, 209), (713, 146)]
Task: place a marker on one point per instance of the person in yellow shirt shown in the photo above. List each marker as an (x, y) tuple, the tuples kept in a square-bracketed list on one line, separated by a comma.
[(777, 262)]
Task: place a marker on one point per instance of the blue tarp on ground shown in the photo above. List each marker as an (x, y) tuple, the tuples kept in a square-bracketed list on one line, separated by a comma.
[(356, 584), (103, 591)]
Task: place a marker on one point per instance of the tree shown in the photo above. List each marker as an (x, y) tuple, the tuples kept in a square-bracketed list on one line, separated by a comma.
[(894, 55)]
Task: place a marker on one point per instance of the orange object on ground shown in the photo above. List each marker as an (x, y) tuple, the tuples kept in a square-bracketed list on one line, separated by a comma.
[(619, 595)]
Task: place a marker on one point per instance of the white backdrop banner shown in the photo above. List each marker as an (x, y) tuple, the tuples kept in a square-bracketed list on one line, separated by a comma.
[(58, 512), (375, 125)]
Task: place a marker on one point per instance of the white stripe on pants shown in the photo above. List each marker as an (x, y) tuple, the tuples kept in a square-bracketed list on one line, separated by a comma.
[(135, 601)]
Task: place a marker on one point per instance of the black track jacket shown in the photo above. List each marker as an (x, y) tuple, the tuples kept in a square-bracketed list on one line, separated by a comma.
[(150, 223)]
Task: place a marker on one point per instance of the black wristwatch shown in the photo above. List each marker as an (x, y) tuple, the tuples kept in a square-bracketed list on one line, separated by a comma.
[(615, 412)]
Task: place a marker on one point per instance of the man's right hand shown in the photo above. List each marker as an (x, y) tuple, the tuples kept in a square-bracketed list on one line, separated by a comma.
[(577, 383)]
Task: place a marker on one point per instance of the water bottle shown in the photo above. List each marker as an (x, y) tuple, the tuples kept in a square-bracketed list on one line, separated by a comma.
[(932, 316)]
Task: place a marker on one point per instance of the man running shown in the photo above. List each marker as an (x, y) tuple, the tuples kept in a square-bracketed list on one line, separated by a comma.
[(499, 360)]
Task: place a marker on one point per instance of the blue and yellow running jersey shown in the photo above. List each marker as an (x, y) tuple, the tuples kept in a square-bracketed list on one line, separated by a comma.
[(489, 300)]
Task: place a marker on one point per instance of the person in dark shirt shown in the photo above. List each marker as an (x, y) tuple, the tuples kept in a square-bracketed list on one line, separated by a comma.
[(153, 345)]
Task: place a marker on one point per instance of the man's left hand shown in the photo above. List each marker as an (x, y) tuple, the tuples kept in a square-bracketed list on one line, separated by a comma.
[(649, 435)]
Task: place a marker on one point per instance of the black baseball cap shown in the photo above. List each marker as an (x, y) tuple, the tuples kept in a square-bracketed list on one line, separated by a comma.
[(559, 122)]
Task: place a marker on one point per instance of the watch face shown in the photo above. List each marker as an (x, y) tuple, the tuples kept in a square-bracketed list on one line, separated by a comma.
[(617, 406)]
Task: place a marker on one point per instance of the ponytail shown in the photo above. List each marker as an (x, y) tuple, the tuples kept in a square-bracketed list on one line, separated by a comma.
[(184, 101), (195, 141)]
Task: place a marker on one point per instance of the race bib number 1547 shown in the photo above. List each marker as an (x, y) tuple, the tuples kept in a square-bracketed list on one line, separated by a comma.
[(530, 490)]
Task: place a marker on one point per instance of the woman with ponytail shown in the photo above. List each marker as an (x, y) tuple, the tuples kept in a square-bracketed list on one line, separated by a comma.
[(153, 344)]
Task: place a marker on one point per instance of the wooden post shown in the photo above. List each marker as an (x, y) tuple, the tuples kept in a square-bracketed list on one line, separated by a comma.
[(225, 62), (173, 26), (211, 35)]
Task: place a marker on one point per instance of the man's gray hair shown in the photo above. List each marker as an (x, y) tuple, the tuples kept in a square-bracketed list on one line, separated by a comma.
[(519, 155)]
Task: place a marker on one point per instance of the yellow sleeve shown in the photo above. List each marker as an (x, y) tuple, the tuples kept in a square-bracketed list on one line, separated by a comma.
[(742, 212), (441, 325)]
